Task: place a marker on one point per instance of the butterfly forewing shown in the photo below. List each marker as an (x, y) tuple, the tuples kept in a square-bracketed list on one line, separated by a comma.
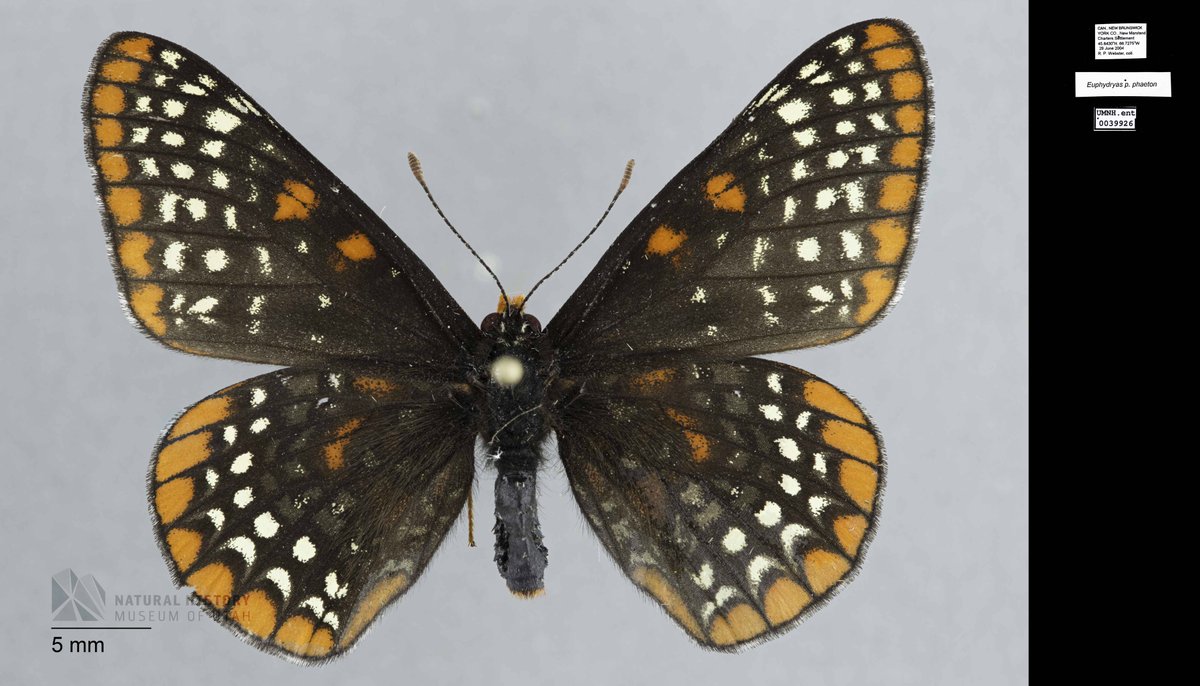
[(298, 504), (791, 230), (740, 495), (229, 239)]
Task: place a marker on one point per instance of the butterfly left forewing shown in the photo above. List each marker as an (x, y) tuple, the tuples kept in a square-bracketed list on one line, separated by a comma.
[(229, 239), (300, 503), (791, 230), (740, 495)]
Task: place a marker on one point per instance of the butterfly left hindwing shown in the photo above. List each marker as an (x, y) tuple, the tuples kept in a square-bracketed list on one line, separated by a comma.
[(740, 495), (300, 503)]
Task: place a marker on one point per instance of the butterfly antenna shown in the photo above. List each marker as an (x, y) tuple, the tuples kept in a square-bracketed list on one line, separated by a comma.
[(620, 189), (415, 165)]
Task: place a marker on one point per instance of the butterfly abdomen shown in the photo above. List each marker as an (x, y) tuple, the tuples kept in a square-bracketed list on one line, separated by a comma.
[(520, 554)]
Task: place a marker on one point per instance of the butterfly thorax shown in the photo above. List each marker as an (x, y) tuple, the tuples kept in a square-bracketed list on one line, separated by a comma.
[(514, 367)]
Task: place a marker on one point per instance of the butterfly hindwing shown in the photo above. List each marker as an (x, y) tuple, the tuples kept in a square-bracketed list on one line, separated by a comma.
[(298, 504), (229, 239), (740, 495), (791, 230)]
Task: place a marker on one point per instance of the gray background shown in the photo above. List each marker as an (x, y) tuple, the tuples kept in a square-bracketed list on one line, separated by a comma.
[(524, 114)]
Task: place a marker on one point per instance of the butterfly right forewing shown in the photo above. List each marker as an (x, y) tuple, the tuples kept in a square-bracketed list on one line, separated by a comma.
[(230, 240)]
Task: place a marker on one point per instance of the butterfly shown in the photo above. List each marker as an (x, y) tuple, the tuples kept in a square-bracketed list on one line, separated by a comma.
[(736, 492)]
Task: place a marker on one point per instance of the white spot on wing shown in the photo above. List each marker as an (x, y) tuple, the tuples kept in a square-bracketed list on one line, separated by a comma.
[(770, 514), (217, 518), (244, 546), (836, 159), (808, 249), (173, 108), (843, 44), (789, 484), (265, 525), (243, 497), (203, 305), (851, 245), (808, 70), (213, 148), (789, 209), (842, 96), (788, 448), (794, 111), (774, 382), (172, 139), (771, 412), (734, 540), (304, 550), (221, 121), (173, 255), (280, 578), (259, 425), (872, 90), (805, 138), (845, 128), (767, 294), (241, 463)]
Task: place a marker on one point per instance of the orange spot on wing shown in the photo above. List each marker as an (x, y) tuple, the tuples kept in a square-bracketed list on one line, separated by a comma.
[(907, 85), (295, 634), (906, 152), (213, 583), (255, 612), (784, 600), (654, 378), (701, 447), (172, 498), (125, 204), (137, 48), (665, 240), (122, 71), (891, 236), (829, 399), (850, 530), (202, 414), (321, 644), (740, 624), (184, 545), (851, 439), (131, 253), (898, 192), (879, 286), (860, 482), (113, 166), (357, 247), (335, 452), (108, 132), (374, 385), (724, 195), (370, 605), (108, 99), (297, 201), (824, 568), (892, 58), (880, 34), (910, 119), (145, 301), (183, 454), (668, 596)]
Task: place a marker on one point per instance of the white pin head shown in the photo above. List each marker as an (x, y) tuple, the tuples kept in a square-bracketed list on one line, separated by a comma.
[(507, 370)]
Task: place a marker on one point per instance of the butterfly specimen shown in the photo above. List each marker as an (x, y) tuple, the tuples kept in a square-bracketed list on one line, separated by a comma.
[(737, 492)]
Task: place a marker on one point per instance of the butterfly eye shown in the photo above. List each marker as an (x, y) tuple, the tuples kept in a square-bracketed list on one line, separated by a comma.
[(530, 323), (490, 323)]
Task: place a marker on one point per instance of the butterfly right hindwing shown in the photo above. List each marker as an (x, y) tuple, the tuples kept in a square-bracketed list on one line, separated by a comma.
[(740, 495), (300, 503)]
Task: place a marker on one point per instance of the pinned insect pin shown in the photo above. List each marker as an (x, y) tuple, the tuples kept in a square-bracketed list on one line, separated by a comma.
[(738, 493)]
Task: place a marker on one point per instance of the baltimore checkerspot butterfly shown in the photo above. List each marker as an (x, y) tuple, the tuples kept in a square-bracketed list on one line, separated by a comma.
[(737, 492)]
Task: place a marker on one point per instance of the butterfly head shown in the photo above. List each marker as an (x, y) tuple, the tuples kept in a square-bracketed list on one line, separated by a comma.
[(509, 323)]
